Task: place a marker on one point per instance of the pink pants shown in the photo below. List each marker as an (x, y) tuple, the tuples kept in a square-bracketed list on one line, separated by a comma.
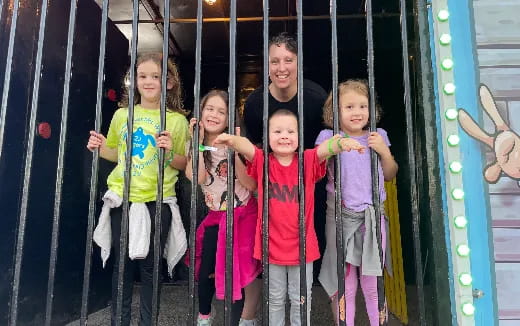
[(368, 286)]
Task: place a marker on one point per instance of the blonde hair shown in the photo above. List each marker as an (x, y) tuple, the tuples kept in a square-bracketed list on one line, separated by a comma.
[(174, 101), (359, 86)]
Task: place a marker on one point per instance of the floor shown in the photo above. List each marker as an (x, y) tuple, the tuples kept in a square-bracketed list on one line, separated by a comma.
[(174, 309)]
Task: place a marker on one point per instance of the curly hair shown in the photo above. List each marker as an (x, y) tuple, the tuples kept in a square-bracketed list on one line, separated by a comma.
[(359, 86), (174, 101), (285, 39)]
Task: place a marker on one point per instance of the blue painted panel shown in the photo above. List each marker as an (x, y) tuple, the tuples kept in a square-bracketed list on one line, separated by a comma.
[(476, 196)]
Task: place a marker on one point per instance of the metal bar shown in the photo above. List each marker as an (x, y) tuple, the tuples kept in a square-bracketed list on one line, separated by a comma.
[(340, 258), (195, 165), (255, 19), (412, 165), (301, 186), (13, 315), (153, 10), (61, 160), (160, 169), (123, 240), (7, 83), (374, 160), (231, 166), (265, 176), (94, 167)]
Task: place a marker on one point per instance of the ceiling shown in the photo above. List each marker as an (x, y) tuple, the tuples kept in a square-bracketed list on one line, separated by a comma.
[(216, 34)]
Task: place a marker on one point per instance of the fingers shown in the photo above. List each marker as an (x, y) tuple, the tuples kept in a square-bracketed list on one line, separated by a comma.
[(164, 140), (237, 131), (95, 140)]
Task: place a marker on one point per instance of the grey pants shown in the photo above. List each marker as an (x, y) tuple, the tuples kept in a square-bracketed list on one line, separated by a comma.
[(282, 280)]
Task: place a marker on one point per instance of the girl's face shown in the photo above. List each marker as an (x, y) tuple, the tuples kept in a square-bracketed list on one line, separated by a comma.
[(214, 115), (354, 112), (149, 81), (283, 134)]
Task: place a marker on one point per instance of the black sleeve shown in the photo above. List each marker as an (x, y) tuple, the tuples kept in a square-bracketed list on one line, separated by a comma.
[(253, 117)]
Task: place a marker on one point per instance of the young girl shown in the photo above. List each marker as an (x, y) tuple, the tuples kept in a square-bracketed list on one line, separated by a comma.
[(284, 269), (147, 141), (358, 211), (211, 234)]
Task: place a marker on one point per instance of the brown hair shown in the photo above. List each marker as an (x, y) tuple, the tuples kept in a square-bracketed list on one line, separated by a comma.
[(174, 101), (212, 93), (283, 112), (359, 86), (285, 39)]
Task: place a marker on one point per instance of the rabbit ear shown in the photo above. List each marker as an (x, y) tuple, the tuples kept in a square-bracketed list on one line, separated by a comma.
[(488, 103), (492, 173), (471, 127)]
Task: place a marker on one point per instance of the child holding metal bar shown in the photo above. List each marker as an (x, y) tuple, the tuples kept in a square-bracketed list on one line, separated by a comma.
[(284, 259), (359, 235), (210, 252), (148, 139)]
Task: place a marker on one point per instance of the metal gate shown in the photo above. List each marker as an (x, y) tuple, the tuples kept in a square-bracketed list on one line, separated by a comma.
[(22, 148)]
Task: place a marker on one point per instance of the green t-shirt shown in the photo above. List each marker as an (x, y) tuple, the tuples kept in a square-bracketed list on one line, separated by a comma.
[(145, 154)]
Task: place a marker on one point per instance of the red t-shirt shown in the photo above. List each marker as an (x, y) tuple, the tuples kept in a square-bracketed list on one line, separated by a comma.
[(283, 206)]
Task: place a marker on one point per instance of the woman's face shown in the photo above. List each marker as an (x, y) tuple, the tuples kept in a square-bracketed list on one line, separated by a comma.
[(283, 66), (214, 115)]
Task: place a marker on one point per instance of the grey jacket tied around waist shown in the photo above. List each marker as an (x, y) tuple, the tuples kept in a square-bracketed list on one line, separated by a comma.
[(353, 244), (361, 250)]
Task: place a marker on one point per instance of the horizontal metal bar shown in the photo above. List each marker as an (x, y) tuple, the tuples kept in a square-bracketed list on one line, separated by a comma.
[(254, 19)]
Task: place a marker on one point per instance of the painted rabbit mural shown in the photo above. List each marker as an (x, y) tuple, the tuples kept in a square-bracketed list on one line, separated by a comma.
[(505, 142)]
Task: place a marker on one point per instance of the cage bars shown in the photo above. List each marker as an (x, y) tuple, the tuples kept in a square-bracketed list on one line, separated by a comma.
[(61, 160)]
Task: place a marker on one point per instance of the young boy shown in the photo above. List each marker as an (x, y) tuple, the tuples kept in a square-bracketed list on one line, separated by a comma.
[(284, 269)]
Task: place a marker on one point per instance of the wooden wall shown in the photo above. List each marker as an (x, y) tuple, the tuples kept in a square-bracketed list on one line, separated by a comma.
[(497, 29)]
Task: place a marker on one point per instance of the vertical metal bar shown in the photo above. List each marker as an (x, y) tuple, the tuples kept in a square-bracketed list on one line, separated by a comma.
[(7, 80), (340, 258), (160, 170), (301, 186), (61, 160), (30, 146), (412, 165), (195, 166), (374, 159), (265, 177), (231, 165), (123, 240), (94, 167)]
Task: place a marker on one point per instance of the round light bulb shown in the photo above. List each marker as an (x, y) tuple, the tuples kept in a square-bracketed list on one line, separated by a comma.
[(451, 114), (453, 140), (457, 194), (465, 279), (455, 167), (211, 2), (447, 64), (468, 309), (463, 250), (449, 88), (445, 39), (460, 221), (443, 15)]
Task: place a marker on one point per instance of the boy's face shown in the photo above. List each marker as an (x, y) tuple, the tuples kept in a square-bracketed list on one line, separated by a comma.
[(283, 67), (283, 134)]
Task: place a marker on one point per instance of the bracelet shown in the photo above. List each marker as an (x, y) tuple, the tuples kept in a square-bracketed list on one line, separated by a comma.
[(170, 159), (203, 148), (329, 147), (339, 144)]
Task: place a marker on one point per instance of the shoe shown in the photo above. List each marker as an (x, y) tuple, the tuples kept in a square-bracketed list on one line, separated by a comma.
[(244, 322), (204, 322)]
